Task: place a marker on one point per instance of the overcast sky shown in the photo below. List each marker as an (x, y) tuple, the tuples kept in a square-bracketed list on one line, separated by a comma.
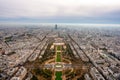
[(60, 11)]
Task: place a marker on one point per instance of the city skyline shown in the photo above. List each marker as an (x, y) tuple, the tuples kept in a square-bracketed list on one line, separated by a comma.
[(44, 52)]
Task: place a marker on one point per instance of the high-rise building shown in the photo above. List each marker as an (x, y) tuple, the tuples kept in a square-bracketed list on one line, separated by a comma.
[(56, 26)]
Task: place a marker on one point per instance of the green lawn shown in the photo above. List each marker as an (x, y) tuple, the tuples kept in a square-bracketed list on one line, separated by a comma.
[(58, 75), (58, 59), (58, 48)]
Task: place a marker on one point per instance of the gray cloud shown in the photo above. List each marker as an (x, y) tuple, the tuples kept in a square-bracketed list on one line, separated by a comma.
[(53, 8), (60, 10)]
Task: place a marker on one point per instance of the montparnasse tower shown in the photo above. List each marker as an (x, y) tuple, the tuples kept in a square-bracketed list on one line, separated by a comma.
[(56, 27)]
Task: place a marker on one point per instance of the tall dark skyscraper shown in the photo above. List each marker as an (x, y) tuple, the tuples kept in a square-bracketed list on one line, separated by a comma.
[(56, 26)]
